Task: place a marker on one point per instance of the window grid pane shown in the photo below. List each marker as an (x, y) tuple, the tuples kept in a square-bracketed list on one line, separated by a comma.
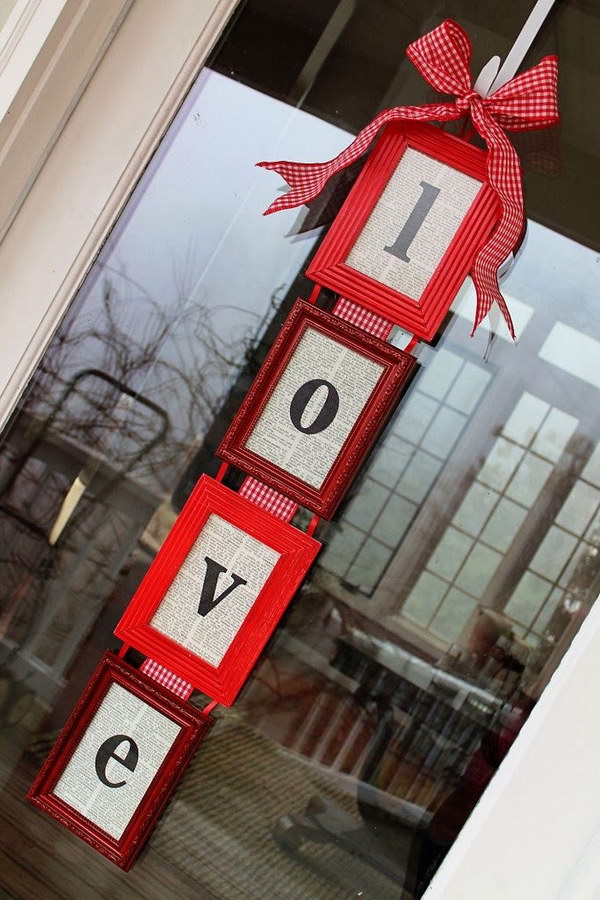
[(493, 520)]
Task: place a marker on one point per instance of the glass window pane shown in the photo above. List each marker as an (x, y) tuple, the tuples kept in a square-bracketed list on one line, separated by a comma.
[(525, 419), (439, 375), (501, 463), (503, 525), (579, 508), (579, 573), (452, 615), (450, 553), (573, 351), (528, 597), (553, 553), (552, 437), (591, 471), (468, 388), (364, 509), (340, 551), (393, 521), (478, 570), (593, 533), (390, 460), (443, 432), (415, 417), (475, 509), (418, 476), (548, 610), (529, 480), (369, 564), (424, 598)]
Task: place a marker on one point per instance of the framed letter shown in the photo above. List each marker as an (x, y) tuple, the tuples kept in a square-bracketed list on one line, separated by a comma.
[(217, 589), (118, 760), (315, 408), (405, 239)]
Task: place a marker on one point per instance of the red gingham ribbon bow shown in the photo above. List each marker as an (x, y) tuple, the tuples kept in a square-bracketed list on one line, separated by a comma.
[(526, 102)]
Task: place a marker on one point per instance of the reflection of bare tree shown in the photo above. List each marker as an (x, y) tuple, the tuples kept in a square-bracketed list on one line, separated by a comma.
[(126, 391), (183, 356)]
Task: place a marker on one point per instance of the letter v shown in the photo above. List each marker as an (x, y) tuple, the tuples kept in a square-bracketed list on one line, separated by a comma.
[(208, 600)]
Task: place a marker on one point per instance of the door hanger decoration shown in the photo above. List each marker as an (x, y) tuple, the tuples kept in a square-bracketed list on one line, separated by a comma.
[(426, 210), (403, 242)]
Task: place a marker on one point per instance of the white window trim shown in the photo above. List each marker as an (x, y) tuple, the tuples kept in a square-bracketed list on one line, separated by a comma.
[(22, 39), (533, 834), (49, 50)]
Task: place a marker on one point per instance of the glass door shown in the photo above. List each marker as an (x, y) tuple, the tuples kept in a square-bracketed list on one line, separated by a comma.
[(454, 577)]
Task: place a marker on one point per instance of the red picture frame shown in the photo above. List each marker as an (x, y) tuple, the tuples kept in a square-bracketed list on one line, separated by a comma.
[(424, 315), (296, 552), (395, 365), (193, 726)]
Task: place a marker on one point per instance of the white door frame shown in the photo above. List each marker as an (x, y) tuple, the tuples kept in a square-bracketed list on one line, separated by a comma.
[(533, 834), (49, 50), (87, 174)]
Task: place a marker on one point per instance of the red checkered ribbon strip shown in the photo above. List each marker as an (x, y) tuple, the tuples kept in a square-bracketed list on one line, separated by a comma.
[(363, 318), (526, 102), (274, 502), (167, 678)]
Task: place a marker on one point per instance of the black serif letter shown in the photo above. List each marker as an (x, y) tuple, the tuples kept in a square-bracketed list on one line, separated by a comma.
[(208, 598), (326, 414), (107, 751), (416, 218)]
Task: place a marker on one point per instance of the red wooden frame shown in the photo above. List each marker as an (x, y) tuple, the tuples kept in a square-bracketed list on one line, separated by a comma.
[(298, 551), (422, 317), (194, 727), (397, 366)]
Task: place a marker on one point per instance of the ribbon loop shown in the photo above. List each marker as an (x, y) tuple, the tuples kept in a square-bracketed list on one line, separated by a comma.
[(442, 57)]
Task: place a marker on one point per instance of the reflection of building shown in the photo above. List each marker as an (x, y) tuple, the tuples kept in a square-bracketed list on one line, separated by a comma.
[(54, 588), (483, 494)]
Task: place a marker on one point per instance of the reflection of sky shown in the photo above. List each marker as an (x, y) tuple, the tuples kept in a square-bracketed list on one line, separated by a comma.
[(555, 268), (199, 217)]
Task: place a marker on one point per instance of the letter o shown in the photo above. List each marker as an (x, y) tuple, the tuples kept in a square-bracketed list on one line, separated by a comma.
[(326, 414)]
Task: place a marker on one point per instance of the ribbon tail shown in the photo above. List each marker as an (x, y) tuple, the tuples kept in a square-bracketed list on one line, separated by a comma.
[(307, 180), (486, 296), (504, 174)]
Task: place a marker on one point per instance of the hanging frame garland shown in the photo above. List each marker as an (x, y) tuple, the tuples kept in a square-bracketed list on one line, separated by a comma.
[(316, 407), (217, 589), (118, 760)]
